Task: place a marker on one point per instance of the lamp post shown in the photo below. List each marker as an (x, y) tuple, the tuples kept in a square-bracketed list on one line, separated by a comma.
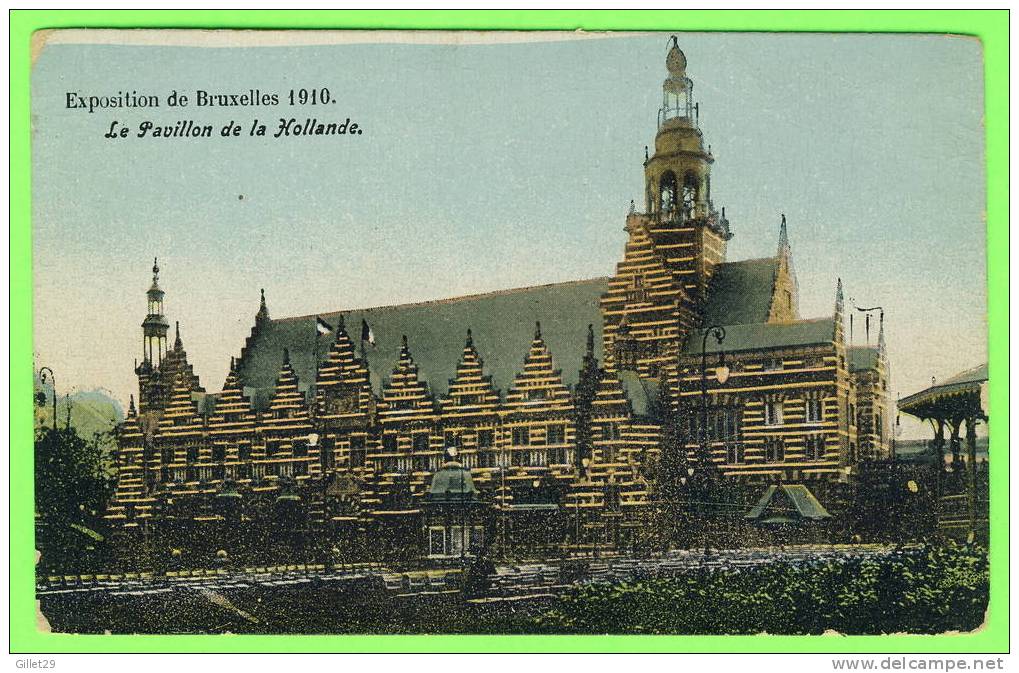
[(53, 381), (704, 460), (576, 503)]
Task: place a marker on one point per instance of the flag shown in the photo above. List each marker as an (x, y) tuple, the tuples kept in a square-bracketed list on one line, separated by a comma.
[(366, 332), (322, 327)]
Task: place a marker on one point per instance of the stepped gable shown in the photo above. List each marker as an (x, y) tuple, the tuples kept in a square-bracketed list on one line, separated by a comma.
[(343, 384), (406, 397), (180, 420), (288, 411), (502, 321), (233, 411), (471, 390), (539, 385)]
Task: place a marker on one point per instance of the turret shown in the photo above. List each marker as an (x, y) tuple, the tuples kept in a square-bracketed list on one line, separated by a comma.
[(155, 326)]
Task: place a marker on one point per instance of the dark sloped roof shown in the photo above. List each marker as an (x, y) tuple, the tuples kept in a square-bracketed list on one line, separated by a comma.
[(863, 357), (502, 324), (740, 292), (761, 336), (977, 374)]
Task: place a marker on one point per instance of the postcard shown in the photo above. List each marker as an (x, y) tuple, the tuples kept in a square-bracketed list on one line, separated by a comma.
[(509, 333)]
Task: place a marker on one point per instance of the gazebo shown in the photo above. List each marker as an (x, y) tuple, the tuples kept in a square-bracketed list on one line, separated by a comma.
[(958, 401)]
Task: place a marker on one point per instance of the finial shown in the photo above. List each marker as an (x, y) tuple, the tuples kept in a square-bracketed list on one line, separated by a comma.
[(633, 207), (155, 266), (838, 296), (130, 407), (233, 365), (646, 157), (675, 41), (286, 356), (341, 324), (470, 339), (263, 310), (537, 329), (403, 344), (590, 340)]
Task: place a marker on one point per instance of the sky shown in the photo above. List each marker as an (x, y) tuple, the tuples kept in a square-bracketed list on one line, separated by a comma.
[(491, 166)]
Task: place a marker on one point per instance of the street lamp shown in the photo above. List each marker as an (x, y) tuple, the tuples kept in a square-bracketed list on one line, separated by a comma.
[(704, 460), (53, 382), (576, 503)]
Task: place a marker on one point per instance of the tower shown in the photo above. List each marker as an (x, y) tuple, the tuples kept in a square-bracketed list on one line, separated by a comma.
[(154, 329), (677, 183), (660, 288), (155, 325)]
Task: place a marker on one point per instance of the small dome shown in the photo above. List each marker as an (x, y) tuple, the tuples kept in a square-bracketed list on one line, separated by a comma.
[(676, 60), (452, 483)]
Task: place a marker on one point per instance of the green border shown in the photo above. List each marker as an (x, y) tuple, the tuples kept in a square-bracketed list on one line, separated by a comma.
[(990, 26)]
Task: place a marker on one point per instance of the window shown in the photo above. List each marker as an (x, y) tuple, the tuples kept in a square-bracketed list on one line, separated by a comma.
[(537, 394), (734, 453), (420, 463), (774, 450), (521, 436), (611, 432), (218, 452), (357, 452), (689, 193), (879, 428), (436, 540), (814, 447), (452, 438), (814, 411), (389, 443), (420, 442), (300, 448), (556, 434), (773, 412), (244, 451), (558, 455), (788, 299), (486, 439), (667, 192), (192, 453)]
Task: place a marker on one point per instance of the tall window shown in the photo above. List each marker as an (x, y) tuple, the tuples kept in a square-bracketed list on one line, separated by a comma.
[(556, 434), (689, 193), (734, 453), (486, 439), (357, 452), (814, 447), (389, 443), (421, 442), (814, 411), (667, 192), (773, 412), (521, 436), (774, 450)]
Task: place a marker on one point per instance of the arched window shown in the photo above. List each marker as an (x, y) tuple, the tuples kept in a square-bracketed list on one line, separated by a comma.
[(667, 192), (690, 184)]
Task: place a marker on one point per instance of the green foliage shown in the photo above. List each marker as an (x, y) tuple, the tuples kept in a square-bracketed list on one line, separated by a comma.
[(943, 589), (72, 486)]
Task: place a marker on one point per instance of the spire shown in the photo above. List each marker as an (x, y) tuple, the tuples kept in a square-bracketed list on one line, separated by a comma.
[(155, 272), (263, 310), (178, 345), (839, 298), (783, 238), (233, 365), (470, 339), (537, 329), (404, 349), (131, 411), (286, 356)]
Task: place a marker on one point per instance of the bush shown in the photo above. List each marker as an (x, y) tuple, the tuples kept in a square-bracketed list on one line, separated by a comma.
[(941, 589)]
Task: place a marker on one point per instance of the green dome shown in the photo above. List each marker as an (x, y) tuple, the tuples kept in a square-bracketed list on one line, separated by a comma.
[(453, 484)]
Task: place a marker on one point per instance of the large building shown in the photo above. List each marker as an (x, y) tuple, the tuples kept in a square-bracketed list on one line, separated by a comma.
[(563, 397)]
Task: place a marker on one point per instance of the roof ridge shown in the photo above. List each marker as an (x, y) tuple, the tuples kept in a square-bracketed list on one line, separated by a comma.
[(445, 300), (770, 258)]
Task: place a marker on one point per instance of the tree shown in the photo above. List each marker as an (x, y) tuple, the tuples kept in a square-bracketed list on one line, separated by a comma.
[(72, 486)]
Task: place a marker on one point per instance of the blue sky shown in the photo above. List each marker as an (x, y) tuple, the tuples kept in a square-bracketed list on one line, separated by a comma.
[(484, 167)]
